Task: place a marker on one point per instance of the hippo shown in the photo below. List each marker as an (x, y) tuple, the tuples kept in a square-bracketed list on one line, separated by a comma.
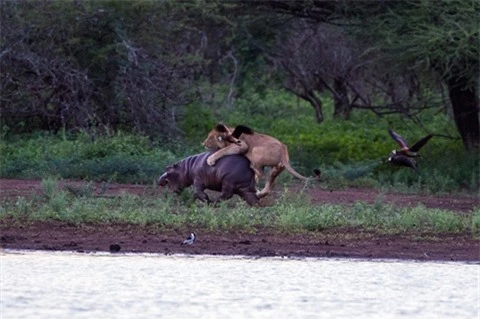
[(231, 175)]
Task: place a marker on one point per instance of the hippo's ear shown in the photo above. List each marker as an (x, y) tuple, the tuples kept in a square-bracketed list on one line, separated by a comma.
[(221, 128), (241, 129), (169, 167)]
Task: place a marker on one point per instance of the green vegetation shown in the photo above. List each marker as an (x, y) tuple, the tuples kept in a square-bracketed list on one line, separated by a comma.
[(291, 213), (349, 153), (136, 85), (151, 67), (121, 157)]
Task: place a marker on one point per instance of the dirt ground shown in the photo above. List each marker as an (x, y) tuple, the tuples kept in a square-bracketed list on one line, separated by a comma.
[(339, 243)]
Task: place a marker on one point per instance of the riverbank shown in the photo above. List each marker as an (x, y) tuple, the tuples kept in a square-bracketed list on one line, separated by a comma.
[(158, 237), (340, 243)]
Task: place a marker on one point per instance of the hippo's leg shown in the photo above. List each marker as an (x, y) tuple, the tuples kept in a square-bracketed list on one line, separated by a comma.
[(274, 172), (199, 192), (226, 193), (202, 196)]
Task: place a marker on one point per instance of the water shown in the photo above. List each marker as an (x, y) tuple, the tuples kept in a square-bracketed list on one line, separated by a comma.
[(75, 285)]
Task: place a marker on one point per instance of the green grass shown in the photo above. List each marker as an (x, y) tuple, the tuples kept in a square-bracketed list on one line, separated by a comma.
[(291, 214)]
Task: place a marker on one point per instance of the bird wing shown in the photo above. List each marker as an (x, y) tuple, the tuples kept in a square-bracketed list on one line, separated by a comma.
[(418, 145), (404, 160), (399, 139)]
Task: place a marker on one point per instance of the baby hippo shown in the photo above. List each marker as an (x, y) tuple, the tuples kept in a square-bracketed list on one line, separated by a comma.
[(231, 175)]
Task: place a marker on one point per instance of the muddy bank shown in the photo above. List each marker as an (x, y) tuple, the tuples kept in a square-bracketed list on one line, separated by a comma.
[(348, 243), (344, 243)]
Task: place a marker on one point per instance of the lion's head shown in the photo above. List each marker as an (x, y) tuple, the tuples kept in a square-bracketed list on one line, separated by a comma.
[(219, 137)]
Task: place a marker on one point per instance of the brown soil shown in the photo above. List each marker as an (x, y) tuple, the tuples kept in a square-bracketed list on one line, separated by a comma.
[(351, 243)]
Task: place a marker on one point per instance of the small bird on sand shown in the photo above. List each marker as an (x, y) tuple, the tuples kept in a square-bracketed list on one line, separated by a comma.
[(190, 239), (404, 156)]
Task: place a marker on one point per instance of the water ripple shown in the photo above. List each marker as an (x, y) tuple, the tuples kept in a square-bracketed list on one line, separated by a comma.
[(73, 285)]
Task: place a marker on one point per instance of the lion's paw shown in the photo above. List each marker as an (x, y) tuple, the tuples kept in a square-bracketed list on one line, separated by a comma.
[(210, 161)]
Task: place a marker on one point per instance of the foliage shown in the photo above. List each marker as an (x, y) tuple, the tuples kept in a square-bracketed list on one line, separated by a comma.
[(429, 36), (384, 56), (426, 34), (122, 98), (120, 157), (102, 65), (347, 152)]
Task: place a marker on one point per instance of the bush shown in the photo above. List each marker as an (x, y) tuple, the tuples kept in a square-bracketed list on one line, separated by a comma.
[(119, 157)]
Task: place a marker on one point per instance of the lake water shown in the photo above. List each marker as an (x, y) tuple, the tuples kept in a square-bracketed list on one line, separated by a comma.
[(75, 285)]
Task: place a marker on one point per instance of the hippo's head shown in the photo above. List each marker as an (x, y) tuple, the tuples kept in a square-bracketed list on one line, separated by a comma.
[(172, 178)]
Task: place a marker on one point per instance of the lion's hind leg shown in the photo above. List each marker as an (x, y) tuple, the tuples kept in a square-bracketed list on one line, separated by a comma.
[(258, 170), (274, 172)]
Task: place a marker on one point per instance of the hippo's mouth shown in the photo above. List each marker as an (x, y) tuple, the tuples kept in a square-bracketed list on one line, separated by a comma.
[(163, 180), (162, 183), (172, 186)]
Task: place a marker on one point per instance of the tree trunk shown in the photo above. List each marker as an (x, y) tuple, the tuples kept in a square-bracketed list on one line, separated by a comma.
[(342, 107), (314, 100), (316, 104), (465, 112)]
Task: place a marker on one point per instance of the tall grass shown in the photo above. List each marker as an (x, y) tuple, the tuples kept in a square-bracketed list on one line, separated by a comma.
[(291, 213)]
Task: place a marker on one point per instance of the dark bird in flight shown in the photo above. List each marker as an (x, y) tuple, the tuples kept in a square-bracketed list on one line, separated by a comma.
[(402, 160), (405, 155)]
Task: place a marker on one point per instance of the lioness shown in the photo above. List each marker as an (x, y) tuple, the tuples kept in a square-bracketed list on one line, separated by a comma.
[(262, 150)]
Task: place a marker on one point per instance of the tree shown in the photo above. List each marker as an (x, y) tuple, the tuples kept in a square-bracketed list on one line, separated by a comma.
[(440, 36), (101, 64), (318, 57), (418, 36)]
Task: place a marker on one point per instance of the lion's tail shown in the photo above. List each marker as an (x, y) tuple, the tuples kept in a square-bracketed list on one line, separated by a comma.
[(286, 163)]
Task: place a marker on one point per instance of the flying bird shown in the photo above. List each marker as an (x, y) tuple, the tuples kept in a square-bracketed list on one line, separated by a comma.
[(190, 239), (405, 149), (402, 160), (405, 156)]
